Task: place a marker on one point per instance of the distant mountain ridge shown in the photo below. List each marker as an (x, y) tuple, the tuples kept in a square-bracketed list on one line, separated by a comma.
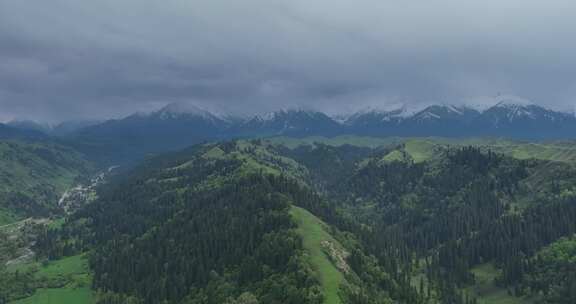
[(179, 125), (294, 122), (8, 132), (509, 117), (65, 128)]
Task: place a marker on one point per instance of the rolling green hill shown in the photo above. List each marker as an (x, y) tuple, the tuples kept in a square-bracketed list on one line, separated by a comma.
[(424, 148), (217, 221), (414, 221)]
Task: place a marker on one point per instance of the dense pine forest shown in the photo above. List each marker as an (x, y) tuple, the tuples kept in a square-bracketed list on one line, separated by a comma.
[(259, 222)]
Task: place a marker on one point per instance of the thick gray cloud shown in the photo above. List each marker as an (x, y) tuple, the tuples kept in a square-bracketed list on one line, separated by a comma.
[(68, 59)]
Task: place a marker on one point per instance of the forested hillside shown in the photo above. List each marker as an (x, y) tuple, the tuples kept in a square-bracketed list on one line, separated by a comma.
[(259, 222), (440, 220), (214, 224)]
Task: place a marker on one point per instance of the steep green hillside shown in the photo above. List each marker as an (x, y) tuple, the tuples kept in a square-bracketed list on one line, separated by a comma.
[(316, 240), (212, 223), (422, 195), (33, 176)]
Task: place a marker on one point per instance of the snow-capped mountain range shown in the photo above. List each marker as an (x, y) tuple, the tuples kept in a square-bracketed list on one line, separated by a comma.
[(179, 125), (508, 116)]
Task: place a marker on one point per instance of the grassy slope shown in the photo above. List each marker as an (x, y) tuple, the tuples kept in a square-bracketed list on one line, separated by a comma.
[(360, 141), (422, 148), (25, 165), (395, 155), (7, 217), (35, 169), (77, 291), (487, 292), (557, 151), (255, 159), (313, 232), (67, 266), (59, 296)]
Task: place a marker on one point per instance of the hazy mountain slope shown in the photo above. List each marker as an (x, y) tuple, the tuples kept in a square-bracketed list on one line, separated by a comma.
[(132, 138), (179, 125), (63, 129), (29, 125), (10, 133), (524, 121), (295, 123)]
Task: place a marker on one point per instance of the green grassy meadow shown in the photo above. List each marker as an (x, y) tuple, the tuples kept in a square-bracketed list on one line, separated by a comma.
[(312, 230), (73, 271), (60, 296)]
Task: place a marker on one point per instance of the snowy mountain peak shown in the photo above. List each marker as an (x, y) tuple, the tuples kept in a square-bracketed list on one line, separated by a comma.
[(389, 111), (513, 102), (453, 108), (185, 109), (427, 115), (449, 108), (511, 108), (462, 108), (286, 113), (446, 111), (484, 103)]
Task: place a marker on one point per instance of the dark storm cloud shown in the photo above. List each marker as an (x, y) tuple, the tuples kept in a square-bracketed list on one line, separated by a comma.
[(64, 59)]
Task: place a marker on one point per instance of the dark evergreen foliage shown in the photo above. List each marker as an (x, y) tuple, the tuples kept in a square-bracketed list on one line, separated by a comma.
[(189, 229)]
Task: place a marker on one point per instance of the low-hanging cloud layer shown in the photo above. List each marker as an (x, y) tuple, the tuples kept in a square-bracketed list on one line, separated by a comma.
[(68, 59)]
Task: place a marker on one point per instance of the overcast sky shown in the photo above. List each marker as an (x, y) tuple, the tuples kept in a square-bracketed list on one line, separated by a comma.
[(71, 59)]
